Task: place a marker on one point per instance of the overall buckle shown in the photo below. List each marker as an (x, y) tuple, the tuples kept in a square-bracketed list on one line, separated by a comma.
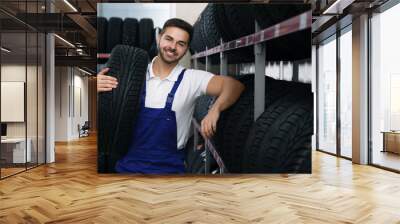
[(170, 98)]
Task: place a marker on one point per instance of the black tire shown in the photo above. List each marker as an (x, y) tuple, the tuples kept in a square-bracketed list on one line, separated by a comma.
[(130, 32), (201, 107), (276, 89), (283, 48), (271, 14), (101, 34), (295, 46), (153, 51), (198, 163), (195, 159), (236, 122), (280, 140), (118, 109), (210, 31), (146, 33), (234, 126), (210, 26), (240, 55), (189, 155), (197, 44), (240, 18), (222, 22), (114, 33)]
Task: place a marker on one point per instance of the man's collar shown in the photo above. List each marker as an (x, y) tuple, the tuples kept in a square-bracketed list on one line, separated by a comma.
[(173, 76)]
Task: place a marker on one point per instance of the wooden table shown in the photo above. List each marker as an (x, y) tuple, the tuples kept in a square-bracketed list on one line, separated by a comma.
[(391, 141)]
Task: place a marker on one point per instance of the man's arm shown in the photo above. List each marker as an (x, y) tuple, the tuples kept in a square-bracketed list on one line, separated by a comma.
[(105, 82), (227, 90)]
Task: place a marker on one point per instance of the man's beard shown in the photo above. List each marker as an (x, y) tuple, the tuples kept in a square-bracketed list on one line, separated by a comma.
[(164, 58)]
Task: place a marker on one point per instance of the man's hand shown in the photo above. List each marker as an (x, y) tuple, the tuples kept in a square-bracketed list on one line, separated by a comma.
[(209, 123), (228, 91), (105, 82)]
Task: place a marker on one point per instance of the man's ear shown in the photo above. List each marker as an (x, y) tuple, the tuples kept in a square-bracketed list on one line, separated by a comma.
[(158, 38), (159, 33)]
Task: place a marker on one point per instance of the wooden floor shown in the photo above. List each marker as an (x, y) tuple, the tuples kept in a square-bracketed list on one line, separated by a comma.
[(70, 191), (10, 171)]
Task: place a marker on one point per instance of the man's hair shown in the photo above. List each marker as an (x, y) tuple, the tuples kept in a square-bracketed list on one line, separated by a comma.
[(175, 22)]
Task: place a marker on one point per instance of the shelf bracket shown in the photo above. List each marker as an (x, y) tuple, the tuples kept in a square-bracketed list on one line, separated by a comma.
[(223, 69), (259, 77)]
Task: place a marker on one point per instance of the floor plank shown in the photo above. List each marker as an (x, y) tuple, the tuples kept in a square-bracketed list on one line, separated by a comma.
[(71, 191)]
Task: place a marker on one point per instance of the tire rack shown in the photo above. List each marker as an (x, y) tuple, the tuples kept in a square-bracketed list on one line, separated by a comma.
[(257, 39)]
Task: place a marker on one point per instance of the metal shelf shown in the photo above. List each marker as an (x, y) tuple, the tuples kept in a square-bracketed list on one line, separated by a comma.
[(257, 39), (294, 24)]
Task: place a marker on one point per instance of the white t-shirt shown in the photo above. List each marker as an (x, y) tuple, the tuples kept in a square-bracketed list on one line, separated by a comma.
[(193, 85)]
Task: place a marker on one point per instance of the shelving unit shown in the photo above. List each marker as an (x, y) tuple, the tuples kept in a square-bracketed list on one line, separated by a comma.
[(257, 39)]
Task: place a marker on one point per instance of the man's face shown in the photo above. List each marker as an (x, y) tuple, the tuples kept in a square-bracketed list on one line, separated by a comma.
[(174, 43)]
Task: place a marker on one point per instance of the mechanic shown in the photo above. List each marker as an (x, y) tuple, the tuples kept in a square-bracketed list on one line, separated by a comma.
[(167, 104)]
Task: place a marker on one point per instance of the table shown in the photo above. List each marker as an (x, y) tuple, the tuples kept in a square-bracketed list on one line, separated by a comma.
[(391, 141), (15, 148)]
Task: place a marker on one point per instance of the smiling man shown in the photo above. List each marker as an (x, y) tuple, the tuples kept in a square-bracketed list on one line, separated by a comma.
[(168, 101)]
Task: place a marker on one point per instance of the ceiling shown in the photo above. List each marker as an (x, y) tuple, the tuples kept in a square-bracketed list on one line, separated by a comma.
[(76, 22), (72, 20)]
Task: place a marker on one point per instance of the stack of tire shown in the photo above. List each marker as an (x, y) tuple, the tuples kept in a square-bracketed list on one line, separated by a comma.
[(232, 21), (278, 142), (130, 31)]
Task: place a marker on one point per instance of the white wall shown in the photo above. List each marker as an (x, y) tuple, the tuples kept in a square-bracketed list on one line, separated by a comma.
[(159, 12), (80, 98), (33, 126), (61, 103), (71, 93), (189, 11), (12, 73)]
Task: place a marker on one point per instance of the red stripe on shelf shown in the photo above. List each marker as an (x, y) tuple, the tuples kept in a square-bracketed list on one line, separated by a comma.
[(102, 55)]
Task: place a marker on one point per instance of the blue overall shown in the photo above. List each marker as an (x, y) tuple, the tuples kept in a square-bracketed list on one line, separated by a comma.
[(153, 149)]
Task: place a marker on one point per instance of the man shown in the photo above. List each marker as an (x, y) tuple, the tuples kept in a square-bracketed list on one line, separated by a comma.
[(168, 101)]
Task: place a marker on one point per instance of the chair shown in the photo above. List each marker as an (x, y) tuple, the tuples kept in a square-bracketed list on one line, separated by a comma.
[(84, 130)]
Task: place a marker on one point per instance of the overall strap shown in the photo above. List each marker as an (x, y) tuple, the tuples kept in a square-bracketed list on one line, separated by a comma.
[(171, 95)]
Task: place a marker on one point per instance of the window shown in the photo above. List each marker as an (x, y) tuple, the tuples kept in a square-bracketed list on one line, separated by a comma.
[(22, 68), (385, 85), (346, 92), (327, 96)]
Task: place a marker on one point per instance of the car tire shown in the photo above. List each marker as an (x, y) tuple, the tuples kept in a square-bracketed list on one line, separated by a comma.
[(118, 108)]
